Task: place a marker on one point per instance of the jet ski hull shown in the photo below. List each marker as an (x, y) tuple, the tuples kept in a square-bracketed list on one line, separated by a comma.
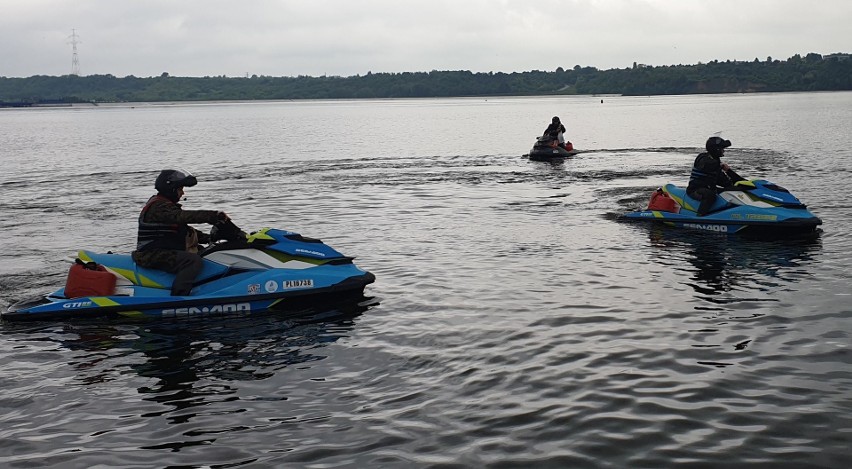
[(790, 218), (55, 306), (272, 270), (550, 154), (732, 222), (545, 149)]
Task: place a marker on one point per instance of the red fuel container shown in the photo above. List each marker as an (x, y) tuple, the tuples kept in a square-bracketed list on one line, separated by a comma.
[(83, 281), (662, 202)]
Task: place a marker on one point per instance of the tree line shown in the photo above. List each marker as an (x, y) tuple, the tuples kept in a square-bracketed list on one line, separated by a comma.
[(812, 72)]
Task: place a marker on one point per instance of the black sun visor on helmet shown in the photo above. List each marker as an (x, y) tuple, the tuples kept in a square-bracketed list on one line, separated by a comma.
[(171, 179), (717, 143), (184, 178)]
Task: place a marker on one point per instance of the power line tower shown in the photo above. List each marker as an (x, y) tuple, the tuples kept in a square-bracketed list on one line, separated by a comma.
[(75, 61)]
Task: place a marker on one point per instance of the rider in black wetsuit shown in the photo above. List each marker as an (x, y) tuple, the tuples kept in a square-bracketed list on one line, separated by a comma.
[(556, 131), (709, 175), (554, 128)]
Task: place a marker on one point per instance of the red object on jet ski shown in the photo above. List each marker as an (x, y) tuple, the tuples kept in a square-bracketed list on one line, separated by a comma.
[(662, 202), (84, 280)]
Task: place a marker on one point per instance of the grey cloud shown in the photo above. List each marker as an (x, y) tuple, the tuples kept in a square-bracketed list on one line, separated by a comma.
[(337, 37)]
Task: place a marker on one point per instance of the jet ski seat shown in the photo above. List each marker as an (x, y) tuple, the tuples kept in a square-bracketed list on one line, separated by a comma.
[(687, 202), (122, 266)]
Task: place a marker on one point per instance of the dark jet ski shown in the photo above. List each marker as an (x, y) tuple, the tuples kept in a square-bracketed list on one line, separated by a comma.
[(546, 148)]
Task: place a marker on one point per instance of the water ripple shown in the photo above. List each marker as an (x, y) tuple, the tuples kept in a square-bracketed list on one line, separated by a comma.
[(520, 323)]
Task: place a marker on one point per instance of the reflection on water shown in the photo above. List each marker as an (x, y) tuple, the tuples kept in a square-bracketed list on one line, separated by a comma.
[(229, 349), (723, 263), (521, 326), (176, 355), (737, 284), (182, 368)]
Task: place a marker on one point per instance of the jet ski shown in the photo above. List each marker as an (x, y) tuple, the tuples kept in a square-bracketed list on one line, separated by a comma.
[(268, 270), (757, 207), (546, 148)]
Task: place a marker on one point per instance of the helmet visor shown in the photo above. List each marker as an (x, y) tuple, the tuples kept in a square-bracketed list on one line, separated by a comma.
[(182, 178)]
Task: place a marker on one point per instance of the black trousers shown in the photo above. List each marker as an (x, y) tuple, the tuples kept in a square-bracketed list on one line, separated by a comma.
[(188, 267), (706, 195), (185, 265)]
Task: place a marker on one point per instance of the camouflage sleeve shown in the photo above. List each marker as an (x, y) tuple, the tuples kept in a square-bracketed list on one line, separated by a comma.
[(171, 213), (198, 216)]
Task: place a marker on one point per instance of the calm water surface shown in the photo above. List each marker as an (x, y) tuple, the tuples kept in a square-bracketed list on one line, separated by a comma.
[(519, 323)]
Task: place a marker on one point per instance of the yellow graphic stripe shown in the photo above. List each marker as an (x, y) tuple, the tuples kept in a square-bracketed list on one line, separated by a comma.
[(138, 279), (661, 215), (83, 256), (104, 301), (132, 314), (134, 277), (260, 234), (681, 202)]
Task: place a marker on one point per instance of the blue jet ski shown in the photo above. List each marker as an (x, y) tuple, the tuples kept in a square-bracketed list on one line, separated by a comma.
[(756, 207), (269, 270)]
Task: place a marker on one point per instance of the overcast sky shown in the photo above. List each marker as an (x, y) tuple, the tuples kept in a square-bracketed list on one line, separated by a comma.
[(352, 37)]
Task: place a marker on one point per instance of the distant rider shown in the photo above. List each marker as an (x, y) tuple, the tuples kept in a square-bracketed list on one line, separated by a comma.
[(709, 175), (165, 240), (556, 131)]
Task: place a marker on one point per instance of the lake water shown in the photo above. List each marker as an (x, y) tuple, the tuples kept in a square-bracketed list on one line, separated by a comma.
[(519, 324)]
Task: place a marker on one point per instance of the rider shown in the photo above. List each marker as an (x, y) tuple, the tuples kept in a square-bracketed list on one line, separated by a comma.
[(165, 241), (709, 175), (556, 130)]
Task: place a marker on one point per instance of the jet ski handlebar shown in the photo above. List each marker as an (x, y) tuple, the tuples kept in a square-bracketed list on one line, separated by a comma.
[(226, 230)]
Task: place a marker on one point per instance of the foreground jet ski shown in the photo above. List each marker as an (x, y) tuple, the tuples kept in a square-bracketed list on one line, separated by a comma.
[(756, 207), (545, 149), (269, 270)]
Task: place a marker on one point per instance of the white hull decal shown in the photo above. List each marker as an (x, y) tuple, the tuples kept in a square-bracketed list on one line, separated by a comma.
[(697, 226), (215, 309)]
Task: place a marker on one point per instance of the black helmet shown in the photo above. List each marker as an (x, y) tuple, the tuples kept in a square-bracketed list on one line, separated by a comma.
[(555, 120), (716, 144), (170, 180)]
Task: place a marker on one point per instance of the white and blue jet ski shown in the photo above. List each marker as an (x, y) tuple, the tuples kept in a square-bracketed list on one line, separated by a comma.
[(269, 270), (757, 207)]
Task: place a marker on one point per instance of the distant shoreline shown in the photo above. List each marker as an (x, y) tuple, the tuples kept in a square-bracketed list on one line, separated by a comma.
[(602, 97), (812, 72), (21, 104)]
